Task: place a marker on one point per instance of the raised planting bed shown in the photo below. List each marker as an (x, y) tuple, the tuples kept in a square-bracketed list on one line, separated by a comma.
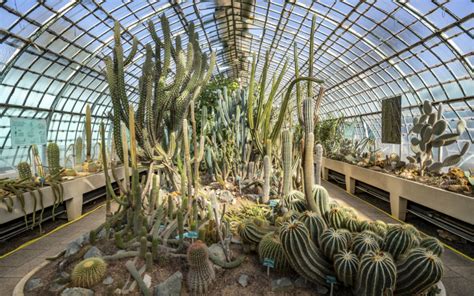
[(401, 190)]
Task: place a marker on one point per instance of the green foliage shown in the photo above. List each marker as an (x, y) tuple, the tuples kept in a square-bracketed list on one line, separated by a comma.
[(329, 133), (89, 272)]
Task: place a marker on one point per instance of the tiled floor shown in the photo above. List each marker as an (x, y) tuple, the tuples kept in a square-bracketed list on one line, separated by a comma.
[(458, 278)]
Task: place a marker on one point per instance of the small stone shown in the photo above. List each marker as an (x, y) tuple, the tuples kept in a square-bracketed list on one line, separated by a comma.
[(33, 284), (147, 280), (281, 285), (226, 196), (320, 289), (56, 287), (236, 241), (102, 232), (77, 292), (170, 287), (63, 278), (301, 283), (71, 249), (108, 281), (216, 250), (93, 252), (243, 280)]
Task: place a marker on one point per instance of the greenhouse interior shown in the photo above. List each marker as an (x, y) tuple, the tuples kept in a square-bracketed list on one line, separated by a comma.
[(237, 147)]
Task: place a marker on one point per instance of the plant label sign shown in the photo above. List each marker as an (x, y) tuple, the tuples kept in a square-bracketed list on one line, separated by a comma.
[(269, 262), (191, 234), (273, 203), (28, 131)]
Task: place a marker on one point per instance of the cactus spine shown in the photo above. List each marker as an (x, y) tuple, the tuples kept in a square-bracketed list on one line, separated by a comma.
[(315, 225), (346, 265), (418, 272), (399, 240), (201, 271), (286, 157), (303, 255), (53, 158), (377, 274), (308, 155), (270, 247), (318, 162), (267, 168), (332, 242), (88, 128), (24, 170), (89, 272), (432, 244)]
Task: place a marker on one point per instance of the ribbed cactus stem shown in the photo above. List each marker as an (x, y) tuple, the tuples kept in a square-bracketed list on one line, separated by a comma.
[(318, 162), (267, 171), (308, 154), (287, 150), (78, 145), (143, 247), (149, 261), (180, 225), (24, 170), (88, 128), (201, 271), (187, 158), (53, 158), (377, 274)]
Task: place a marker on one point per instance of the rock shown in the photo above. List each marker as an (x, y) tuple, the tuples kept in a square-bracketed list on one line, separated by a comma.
[(320, 289), (71, 249), (254, 197), (281, 285), (56, 287), (77, 292), (243, 280), (301, 283), (93, 252), (236, 241), (63, 278), (216, 250), (226, 196), (147, 280), (170, 287), (102, 232), (33, 284), (108, 281)]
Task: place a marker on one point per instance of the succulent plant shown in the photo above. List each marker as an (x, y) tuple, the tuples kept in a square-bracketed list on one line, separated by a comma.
[(88, 128), (417, 272), (433, 244), (378, 238), (294, 201), (399, 240), (336, 218), (201, 272), (78, 145), (318, 163), (308, 167), (24, 170), (377, 274), (253, 230), (321, 200), (315, 225), (89, 272), (53, 158), (429, 129), (332, 241), (362, 244), (270, 247), (267, 171), (286, 161), (304, 257), (352, 224), (346, 265), (378, 227)]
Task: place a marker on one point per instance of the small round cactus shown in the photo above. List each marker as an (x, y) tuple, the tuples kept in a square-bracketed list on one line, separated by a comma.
[(346, 265), (352, 224), (201, 271), (252, 231), (315, 225), (363, 244), (336, 218), (332, 242), (89, 272), (377, 274), (433, 244), (399, 240), (270, 247)]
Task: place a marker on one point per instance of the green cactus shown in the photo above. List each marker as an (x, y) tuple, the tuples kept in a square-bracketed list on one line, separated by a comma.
[(321, 200), (24, 170), (201, 272), (308, 166), (88, 128), (253, 230), (417, 272), (270, 247), (267, 171), (432, 244), (336, 218), (143, 247), (332, 242), (378, 238), (53, 158), (89, 272), (399, 240), (78, 145), (378, 227), (304, 257), (315, 225), (352, 224), (286, 161), (363, 243), (318, 163), (377, 274), (429, 130), (294, 201), (346, 265)]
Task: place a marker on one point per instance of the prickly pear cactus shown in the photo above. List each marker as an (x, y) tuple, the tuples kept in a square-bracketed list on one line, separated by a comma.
[(429, 130)]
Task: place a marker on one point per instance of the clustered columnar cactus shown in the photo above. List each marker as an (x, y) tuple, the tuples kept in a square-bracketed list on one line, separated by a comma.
[(377, 274), (432, 244), (162, 104), (287, 156), (53, 158), (270, 248), (303, 255), (333, 241), (346, 265), (363, 243), (78, 151), (267, 171), (430, 133), (399, 240), (417, 272), (321, 200), (315, 225), (89, 272), (24, 170), (253, 230), (201, 271), (318, 162)]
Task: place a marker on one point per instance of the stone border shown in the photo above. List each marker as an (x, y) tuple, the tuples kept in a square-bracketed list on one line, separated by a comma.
[(20, 286)]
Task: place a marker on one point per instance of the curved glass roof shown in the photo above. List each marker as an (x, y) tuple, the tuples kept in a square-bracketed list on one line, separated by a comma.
[(52, 54)]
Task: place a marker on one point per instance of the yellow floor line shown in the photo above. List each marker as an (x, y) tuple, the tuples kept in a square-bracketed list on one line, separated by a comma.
[(380, 210), (28, 243)]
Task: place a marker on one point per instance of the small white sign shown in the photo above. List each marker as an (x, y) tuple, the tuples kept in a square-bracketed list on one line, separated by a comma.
[(28, 131)]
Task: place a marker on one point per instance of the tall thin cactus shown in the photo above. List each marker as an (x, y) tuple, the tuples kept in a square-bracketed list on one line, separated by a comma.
[(88, 128), (287, 156), (318, 162), (308, 154)]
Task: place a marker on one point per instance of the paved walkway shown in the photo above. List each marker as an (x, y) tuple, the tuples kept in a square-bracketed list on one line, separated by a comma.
[(458, 278)]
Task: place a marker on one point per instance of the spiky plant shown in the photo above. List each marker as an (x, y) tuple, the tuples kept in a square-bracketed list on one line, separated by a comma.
[(433, 244), (270, 248), (318, 163), (53, 158), (321, 200), (294, 201), (378, 238), (399, 240), (24, 170), (346, 265), (253, 230), (352, 224), (286, 161), (417, 272), (362, 244), (315, 225), (308, 169), (78, 145), (89, 272), (332, 242), (377, 274), (201, 272), (88, 128), (267, 170), (336, 218), (377, 227)]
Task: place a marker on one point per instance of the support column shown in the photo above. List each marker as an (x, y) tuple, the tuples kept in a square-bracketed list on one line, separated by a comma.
[(398, 206), (74, 207), (350, 184)]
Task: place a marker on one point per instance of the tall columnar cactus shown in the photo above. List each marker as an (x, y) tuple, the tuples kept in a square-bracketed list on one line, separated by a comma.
[(432, 244), (267, 171), (78, 145), (304, 257), (88, 128), (332, 242), (429, 129), (399, 240), (377, 274), (89, 272), (287, 156), (346, 265), (53, 158), (362, 244), (37, 161), (24, 170), (308, 154), (318, 162), (321, 200), (201, 271), (417, 272), (315, 225), (270, 248)]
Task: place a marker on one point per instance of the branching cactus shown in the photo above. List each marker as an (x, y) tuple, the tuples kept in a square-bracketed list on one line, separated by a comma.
[(429, 130), (201, 271), (53, 158), (287, 156), (24, 170)]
